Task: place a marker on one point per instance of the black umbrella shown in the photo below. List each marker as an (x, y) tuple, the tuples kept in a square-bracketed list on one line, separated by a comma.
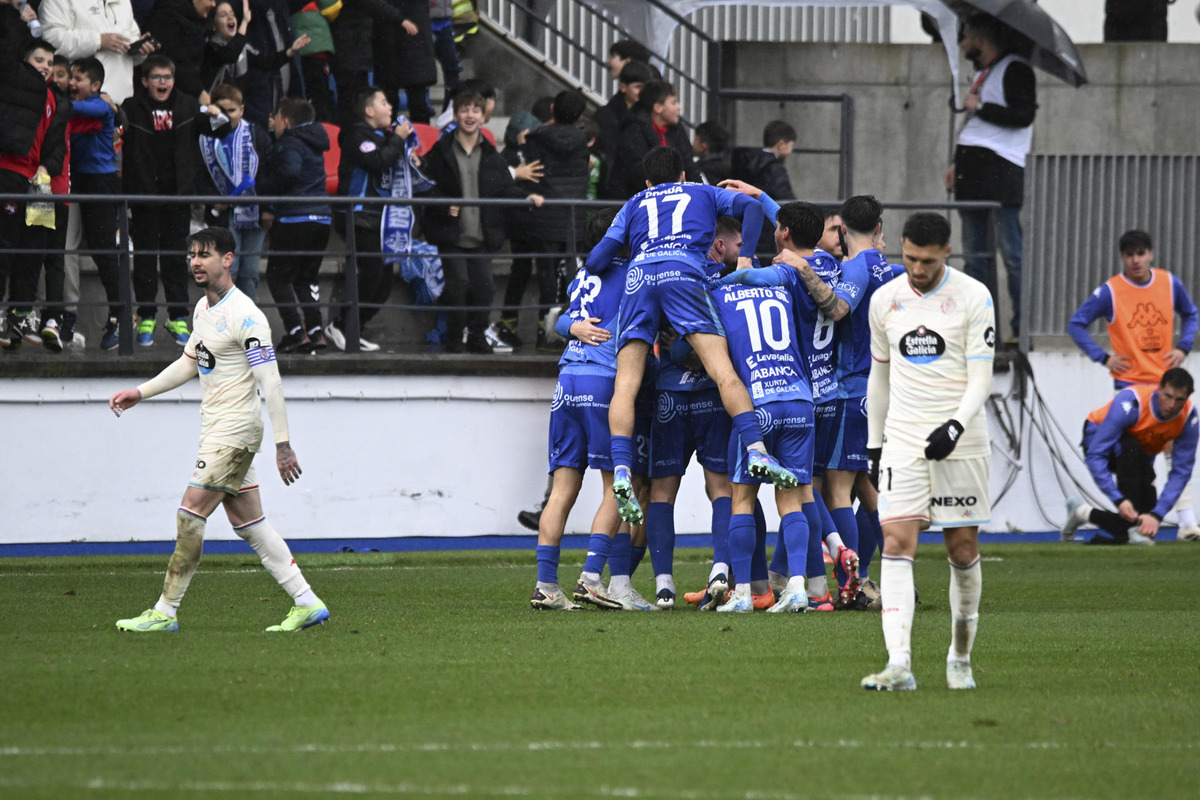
[(1052, 50)]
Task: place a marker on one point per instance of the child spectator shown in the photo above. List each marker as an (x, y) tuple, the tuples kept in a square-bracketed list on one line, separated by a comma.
[(53, 257), (710, 146), (160, 157), (765, 169), (234, 158), (300, 231), (466, 165), (94, 170), (633, 76), (228, 57), (653, 122)]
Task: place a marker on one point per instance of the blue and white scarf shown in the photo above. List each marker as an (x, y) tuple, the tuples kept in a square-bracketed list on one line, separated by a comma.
[(232, 163), (404, 179)]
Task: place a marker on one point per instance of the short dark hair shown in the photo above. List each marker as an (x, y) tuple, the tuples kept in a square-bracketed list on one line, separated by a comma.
[(727, 225), (363, 99), (61, 61), (988, 27), (157, 61), (477, 85), (778, 131), (299, 111), (861, 213), (90, 66), (36, 44), (628, 48), (714, 135), (926, 228), (1180, 378), (219, 239), (569, 107), (805, 223), (1132, 241), (225, 91), (543, 109), (655, 92), (597, 225), (464, 99), (662, 165), (637, 72), (591, 130)]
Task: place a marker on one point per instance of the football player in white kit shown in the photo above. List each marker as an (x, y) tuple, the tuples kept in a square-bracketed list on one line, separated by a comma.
[(230, 348), (932, 346)]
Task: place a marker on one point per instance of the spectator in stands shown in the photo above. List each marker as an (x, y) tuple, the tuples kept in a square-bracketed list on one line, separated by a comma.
[(711, 148), (765, 169), (52, 258), (634, 75), (94, 171), (102, 28), (622, 52), (312, 20), (354, 52), (268, 81), (228, 56), (653, 122), (370, 149), (466, 165), (233, 158), (441, 23), (989, 159), (180, 27), (300, 230), (160, 157), (404, 58), (445, 120), (33, 146)]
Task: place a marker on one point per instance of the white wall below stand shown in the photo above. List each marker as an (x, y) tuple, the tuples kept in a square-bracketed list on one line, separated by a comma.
[(387, 456)]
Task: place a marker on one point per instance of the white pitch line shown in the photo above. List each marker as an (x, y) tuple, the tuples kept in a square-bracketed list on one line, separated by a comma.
[(255, 570)]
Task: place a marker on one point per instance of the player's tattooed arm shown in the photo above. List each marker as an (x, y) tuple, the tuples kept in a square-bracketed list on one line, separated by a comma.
[(830, 304), (285, 459)]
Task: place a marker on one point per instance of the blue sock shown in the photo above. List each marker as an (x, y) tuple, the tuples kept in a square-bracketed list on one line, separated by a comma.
[(618, 556), (547, 563), (843, 518), (827, 525), (722, 507), (758, 565), (870, 537), (741, 545), (747, 429), (660, 536), (779, 559), (599, 546), (814, 560), (622, 451), (793, 529), (636, 555)]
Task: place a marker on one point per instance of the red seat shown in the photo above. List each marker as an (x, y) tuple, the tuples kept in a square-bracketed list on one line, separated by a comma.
[(333, 157), (427, 135), (487, 134)]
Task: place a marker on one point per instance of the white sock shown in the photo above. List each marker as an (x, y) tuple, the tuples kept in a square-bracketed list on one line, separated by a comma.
[(759, 446), (275, 556), (818, 587), (896, 591), (1185, 516), (189, 547), (163, 607), (620, 585), (664, 581), (307, 598), (795, 584), (548, 588), (718, 568), (741, 590), (590, 578), (966, 585), (833, 540)]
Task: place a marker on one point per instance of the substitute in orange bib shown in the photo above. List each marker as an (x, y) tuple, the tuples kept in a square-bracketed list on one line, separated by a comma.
[(1120, 441)]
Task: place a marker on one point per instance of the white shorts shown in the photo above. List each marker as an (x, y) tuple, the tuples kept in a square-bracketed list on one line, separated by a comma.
[(224, 468), (950, 493)]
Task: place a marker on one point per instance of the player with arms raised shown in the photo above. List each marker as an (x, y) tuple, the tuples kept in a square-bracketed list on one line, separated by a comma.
[(932, 342), (230, 348), (669, 228)]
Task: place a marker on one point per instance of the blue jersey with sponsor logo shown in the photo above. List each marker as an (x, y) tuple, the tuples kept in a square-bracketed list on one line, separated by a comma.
[(854, 330), (596, 296), (818, 332), (676, 222), (759, 309)]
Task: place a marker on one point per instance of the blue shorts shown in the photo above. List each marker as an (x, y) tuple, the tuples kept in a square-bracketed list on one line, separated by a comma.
[(849, 450), (670, 289), (579, 422), (787, 427), (687, 423), (643, 410), (825, 432)]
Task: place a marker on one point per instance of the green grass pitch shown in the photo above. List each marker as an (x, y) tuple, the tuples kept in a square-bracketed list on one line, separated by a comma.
[(434, 678)]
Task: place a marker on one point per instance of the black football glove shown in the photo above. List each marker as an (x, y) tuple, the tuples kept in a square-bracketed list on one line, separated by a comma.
[(943, 440), (873, 454)]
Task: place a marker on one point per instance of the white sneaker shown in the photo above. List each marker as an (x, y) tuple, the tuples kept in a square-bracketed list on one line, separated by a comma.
[(77, 341), (1189, 534), (551, 601), (1077, 514), (366, 346), (794, 602), (335, 336), (737, 604), (1139, 539), (892, 679), (632, 600), (550, 321), (958, 675)]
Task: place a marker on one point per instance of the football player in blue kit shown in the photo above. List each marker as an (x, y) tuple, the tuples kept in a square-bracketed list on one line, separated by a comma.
[(669, 228), (579, 435), (770, 319)]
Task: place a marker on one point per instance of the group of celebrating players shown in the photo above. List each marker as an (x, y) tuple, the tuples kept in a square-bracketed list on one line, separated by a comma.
[(680, 344)]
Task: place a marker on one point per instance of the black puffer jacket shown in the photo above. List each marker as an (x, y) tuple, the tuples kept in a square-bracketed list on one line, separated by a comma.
[(495, 181), (182, 33), (22, 88), (297, 169), (354, 33), (627, 177), (759, 168), (367, 156), (563, 151)]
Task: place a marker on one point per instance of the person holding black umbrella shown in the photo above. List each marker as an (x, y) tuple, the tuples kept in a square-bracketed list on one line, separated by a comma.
[(989, 159)]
